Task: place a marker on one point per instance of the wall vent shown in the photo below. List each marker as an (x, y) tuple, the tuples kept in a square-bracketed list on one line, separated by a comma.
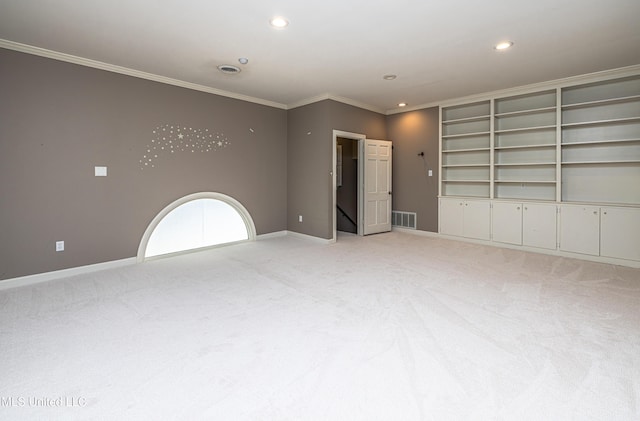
[(404, 219)]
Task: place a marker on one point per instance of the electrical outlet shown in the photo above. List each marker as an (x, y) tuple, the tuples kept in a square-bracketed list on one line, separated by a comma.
[(299, 218), (430, 173), (101, 171), (59, 245)]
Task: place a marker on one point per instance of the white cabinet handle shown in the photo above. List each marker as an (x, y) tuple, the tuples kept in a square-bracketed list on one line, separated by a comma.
[(518, 208), (595, 212), (526, 208)]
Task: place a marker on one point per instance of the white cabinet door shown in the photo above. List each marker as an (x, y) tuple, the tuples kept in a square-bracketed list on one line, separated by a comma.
[(507, 222), (451, 211), (539, 225), (620, 233), (580, 229), (476, 219)]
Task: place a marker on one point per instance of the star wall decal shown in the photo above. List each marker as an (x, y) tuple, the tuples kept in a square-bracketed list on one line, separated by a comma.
[(169, 139)]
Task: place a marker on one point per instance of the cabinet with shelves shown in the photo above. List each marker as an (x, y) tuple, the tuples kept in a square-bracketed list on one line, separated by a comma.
[(465, 218), (559, 168), (466, 150), (524, 223), (601, 142), (601, 231)]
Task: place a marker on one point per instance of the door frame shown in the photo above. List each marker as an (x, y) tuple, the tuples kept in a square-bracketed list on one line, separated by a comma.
[(360, 138)]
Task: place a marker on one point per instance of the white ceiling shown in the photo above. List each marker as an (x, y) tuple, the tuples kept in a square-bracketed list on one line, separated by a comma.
[(439, 50)]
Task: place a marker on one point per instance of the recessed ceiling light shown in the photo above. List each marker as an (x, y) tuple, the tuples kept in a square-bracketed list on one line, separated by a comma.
[(503, 45), (279, 22), (389, 77), (243, 60), (402, 104)]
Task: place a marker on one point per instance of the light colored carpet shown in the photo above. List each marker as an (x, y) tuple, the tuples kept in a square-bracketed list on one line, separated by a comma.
[(387, 327)]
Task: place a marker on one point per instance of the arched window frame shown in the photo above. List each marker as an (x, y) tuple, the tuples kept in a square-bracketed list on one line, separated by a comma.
[(242, 211)]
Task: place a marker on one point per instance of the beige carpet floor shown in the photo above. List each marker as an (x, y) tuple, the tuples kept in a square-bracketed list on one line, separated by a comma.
[(387, 327)]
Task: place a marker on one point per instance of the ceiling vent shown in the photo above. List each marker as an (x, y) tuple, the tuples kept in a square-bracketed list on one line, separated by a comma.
[(229, 69)]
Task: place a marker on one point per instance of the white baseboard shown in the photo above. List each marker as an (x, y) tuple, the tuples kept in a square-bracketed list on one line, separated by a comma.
[(310, 237), (416, 232), (269, 235), (64, 273), (556, 252)]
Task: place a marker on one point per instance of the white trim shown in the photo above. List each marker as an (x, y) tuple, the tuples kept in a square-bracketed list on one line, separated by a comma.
[(525, 89), (308, 101), (357, 104), (569, 81), (270, 235), (246, 217), (417, 232), (325, 96), (42, 52), (64, 273), (556, 252), (353, 136), (310, 238)]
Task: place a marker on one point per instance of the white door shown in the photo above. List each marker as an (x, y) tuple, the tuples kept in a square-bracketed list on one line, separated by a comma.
[(377, 186), (450, 214), (476, 219), (620, 233), (580, 229), (539, 225), (507, 222)]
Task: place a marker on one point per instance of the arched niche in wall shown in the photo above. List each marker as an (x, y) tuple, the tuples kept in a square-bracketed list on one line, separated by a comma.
[(194, 222)]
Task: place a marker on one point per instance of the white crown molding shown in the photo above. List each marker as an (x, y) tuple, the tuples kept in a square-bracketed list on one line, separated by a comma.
[(525, 89), (336, 98), (357, 104), (42, 52), (413, 108), (308, 101)]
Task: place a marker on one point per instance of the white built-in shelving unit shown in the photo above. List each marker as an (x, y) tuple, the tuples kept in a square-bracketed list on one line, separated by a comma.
[(466, 150), (572, 147), (525, 146), (601, 142)]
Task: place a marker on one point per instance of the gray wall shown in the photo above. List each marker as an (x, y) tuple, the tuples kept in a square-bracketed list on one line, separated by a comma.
[(59, 120), (413, 191), (309, 160)]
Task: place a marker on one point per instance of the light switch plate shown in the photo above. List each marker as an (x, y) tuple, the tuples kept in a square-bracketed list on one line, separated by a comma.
[(59, 245), (101, 171)]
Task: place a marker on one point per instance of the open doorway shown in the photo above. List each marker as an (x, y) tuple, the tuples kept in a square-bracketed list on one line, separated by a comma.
[(347, 185), (372, 184), (356, 146)]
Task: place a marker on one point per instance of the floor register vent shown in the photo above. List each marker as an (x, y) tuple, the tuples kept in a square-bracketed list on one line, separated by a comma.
[(403, 219)]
